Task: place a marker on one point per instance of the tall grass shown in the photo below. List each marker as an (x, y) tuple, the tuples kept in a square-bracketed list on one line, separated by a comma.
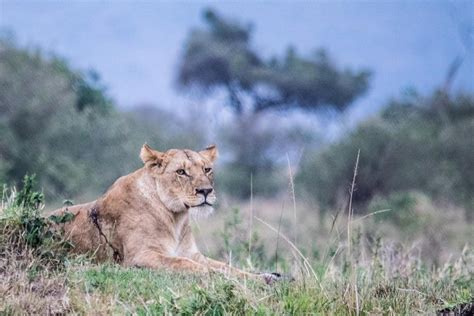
[(39, 276)]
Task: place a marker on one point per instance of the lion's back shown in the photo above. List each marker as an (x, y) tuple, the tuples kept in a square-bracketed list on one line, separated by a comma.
[(81, 230)]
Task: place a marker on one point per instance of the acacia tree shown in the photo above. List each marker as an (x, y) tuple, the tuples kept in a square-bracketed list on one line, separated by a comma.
[(221, 57)]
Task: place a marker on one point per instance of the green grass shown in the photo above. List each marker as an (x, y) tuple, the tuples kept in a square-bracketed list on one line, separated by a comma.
[(38, 276), (85, 288), (114, 289)]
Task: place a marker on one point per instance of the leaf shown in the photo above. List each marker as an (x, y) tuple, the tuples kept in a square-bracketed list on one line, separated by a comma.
[(63, 218), (68, 202)]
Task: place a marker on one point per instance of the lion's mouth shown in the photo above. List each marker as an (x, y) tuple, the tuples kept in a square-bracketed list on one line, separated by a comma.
[(202, 204)]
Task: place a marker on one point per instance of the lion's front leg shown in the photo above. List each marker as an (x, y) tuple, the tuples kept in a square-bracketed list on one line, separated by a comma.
[(222, 267), (155, 260)]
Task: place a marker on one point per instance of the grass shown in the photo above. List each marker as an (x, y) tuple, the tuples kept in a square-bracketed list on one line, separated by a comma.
[(111, 289), (39, 276)]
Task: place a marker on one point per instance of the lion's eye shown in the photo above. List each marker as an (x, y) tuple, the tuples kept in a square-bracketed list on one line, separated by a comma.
[(181, 172), (207, 170)]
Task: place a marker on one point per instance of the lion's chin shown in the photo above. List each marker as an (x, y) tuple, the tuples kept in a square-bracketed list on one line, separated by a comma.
[(200, 212)]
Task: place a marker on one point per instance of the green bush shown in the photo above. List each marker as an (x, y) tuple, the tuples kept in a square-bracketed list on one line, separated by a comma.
[(25, 232), (61, 124), (411, 145), (401, 209)]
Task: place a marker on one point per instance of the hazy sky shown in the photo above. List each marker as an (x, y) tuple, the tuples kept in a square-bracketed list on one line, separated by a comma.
[(135, 46)]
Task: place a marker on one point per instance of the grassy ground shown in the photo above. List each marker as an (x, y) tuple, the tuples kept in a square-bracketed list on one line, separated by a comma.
[(38, 275), (111, 289)]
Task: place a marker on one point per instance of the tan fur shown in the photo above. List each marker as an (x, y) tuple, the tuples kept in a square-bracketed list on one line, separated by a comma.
[(143, 219)]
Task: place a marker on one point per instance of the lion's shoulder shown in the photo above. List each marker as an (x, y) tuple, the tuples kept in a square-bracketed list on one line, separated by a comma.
[(129, 192)]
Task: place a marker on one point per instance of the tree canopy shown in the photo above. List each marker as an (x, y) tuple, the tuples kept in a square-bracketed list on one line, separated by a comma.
[(221, 56)]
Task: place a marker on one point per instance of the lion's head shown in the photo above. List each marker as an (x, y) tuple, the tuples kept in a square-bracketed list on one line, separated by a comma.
[(184, 178)]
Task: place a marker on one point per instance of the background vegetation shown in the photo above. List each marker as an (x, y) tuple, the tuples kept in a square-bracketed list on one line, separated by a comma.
[(61, 124), (413, 200)]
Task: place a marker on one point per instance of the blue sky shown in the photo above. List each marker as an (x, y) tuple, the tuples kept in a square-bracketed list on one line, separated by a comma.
[(136, 46)]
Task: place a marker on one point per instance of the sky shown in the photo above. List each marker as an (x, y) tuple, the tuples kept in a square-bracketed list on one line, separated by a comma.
[(136, 45)]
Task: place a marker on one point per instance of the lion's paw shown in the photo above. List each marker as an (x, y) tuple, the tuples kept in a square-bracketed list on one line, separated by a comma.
[(272, 277)]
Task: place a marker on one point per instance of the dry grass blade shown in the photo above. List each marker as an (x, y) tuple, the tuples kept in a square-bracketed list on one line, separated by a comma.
[(350, 214), (350, 210), (250, 221), (278, 237), (293, 198), (371, 214), (305, 260)]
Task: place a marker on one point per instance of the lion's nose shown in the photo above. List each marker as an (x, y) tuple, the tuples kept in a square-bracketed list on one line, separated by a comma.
[(204, 191)]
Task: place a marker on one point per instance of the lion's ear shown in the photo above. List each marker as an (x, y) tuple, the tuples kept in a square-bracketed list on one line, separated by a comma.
[(210, 153), (151, 157)]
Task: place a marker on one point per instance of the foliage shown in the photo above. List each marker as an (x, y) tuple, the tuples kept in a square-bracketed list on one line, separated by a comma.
[(222, 56), (61, 125), (38, 108), (25, 232), (403, 209), (87, 86), (27, 199), (416, 143)]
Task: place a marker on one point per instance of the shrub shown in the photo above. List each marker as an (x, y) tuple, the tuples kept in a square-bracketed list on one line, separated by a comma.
[(415, 144), (25, 232), (404, 209)]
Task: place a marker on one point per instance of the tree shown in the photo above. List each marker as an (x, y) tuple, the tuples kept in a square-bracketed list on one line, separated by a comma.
[(88, 87), (221, 56), (410, 146), (59, 123)]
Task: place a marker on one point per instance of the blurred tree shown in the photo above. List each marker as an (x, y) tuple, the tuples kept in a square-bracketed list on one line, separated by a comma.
[(88, 87), (61, 125), (5, 151), (90, 92), (414, 144), (221, 56)]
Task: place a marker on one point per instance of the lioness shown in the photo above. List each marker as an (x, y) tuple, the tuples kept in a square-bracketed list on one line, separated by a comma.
[(143, 219)]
